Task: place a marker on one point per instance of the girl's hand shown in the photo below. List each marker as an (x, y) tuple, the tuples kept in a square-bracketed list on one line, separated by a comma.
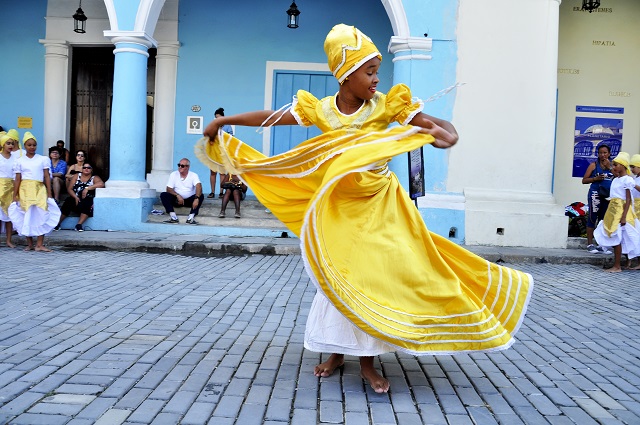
[(211, 130), (623, 221), (443, 139)]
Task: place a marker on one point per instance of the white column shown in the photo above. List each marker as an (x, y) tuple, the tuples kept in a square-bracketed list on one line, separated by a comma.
[(164, 114), (56, 88), (505, 116)]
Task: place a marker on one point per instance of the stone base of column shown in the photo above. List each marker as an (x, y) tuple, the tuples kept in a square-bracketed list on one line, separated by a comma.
[(444, 214), (158, 179), (122, 206), (510, 218)]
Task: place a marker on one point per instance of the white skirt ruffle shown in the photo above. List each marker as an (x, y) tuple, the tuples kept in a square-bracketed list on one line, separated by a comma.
[(627, 236), (328, 331), (35, 221)]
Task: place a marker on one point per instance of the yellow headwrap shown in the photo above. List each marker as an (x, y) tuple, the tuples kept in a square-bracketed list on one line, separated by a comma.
[(13, 134), (623, 159), (635, 160), (347, 49), (3, 139), (27, 136)]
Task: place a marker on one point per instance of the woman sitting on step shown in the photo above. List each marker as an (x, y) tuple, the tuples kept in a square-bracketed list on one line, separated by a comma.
[(233, 187)]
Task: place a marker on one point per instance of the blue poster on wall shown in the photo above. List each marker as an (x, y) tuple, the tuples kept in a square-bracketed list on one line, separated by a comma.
[(590, 134)]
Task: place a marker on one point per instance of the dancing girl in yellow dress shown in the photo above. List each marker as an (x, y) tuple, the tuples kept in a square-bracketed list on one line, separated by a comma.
[(384, 281)]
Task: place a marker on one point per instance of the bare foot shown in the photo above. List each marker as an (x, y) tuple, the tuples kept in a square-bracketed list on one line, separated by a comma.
[(370, 374), (42, 249), (10, 245), (28, 248), (613, 270), (635, 267), (326, 369)]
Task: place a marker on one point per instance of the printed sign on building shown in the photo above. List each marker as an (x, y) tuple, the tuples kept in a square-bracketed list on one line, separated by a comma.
[(590, 134)]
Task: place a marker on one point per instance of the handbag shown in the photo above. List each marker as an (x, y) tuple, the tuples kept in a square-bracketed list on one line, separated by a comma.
[(604, 191), (230, 185)]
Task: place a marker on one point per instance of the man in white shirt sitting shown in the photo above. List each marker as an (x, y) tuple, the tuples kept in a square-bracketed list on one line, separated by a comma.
[(183, 189)]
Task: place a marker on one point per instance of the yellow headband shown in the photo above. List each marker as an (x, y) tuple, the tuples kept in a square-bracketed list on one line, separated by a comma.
[(347, 49), (623, 159), (635, 160)]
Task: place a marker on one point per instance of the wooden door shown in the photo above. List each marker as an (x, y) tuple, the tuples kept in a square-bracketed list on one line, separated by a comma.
[(91, 97), (287, 83)]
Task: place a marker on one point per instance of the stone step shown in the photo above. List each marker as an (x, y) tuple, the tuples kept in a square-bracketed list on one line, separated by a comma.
[(254, 215)]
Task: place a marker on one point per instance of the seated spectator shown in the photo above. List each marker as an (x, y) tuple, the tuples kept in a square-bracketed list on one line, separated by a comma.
[(235, 189), (82, 189), (81, 157), (183, 190), (223, 177), (58, 172), (64, 152)]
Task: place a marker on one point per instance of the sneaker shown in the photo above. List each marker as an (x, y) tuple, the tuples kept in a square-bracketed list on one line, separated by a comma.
[(211, 195), (172, 221), (592, 249), (191, 221), (605, 250), (79, 228)]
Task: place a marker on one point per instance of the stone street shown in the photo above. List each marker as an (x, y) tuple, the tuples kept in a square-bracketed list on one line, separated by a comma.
[(108, 337)]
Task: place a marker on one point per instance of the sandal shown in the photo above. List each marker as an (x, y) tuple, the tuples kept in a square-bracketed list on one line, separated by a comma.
[(211, 195), (220, 195)]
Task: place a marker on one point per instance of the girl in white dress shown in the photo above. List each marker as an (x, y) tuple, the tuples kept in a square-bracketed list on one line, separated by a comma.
[(6, 185), (635, 193), (620, 227), (34, 211)]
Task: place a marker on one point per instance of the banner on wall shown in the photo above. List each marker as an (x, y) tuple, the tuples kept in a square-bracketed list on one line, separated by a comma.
[(416, 173), (590, 134)]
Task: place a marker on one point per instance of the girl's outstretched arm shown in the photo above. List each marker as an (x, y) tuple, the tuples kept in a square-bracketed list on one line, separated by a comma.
[(249, 119), (443, 131)]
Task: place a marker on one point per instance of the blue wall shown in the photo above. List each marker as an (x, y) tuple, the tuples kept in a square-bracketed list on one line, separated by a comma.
[(224, 50), (22, 66)]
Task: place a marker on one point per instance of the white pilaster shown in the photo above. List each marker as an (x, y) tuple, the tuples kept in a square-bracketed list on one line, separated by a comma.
[(56, 87), (505, 116), (164, 113)]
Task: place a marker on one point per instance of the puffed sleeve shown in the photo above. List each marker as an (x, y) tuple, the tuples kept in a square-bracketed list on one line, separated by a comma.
[(400, 106), (628, 182), (17, 166), (304, 108)]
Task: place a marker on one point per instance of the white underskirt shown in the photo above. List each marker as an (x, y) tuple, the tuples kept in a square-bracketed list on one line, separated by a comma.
[(35, 221), (328, 331)]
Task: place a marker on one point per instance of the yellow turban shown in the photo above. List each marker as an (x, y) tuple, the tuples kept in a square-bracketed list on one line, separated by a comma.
[(635, 160), (3, 139), (347, 49), (13, 134), (623, 159), (27, 136)]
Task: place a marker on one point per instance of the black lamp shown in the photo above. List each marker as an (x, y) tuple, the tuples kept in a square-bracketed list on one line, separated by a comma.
[(79, 20), (590, 5), (292, 14)]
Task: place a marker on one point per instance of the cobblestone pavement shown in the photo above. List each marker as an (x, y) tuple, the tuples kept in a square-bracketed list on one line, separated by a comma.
[(109, 337)]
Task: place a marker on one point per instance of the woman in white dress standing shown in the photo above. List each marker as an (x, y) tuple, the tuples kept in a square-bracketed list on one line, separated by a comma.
[(6, 185), (34, 212)]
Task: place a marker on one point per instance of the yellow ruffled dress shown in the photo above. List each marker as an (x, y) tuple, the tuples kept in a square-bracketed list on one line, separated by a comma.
[(394, 284)]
